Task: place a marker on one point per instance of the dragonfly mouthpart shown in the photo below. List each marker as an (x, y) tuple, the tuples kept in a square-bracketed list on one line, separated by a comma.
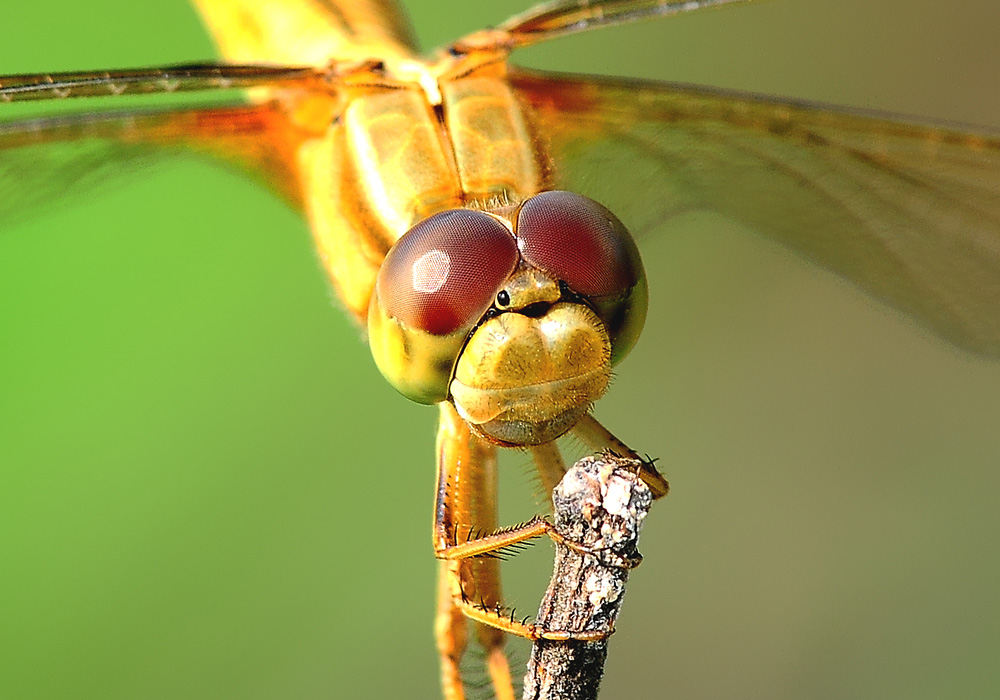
[(525, 379)]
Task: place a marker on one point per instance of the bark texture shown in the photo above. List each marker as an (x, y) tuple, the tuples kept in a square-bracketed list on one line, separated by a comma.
[(599, 508)]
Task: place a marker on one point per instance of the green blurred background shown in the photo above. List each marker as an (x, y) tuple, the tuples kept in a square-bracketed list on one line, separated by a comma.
[(207, 491)]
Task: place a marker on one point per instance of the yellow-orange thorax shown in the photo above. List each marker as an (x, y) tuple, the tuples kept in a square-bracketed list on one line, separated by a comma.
[(401, 150)]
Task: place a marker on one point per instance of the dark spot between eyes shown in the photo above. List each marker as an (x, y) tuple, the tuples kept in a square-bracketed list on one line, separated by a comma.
[(536, 310)]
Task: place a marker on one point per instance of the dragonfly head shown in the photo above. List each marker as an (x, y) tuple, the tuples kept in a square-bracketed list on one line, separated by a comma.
[(517, 321)]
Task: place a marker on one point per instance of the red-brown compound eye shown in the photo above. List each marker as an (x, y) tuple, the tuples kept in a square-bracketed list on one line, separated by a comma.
[(578, 241), (444, 272)]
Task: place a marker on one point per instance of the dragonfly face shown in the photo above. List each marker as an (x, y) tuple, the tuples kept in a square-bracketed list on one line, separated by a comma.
[(758, 349), (516, 319)]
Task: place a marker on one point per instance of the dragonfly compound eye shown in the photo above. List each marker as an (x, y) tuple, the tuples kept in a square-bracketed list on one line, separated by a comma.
[(578, 241), (432, 289)]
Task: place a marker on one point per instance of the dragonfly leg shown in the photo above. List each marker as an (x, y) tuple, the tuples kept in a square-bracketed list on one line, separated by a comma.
[(467, 499), (468, 542), (451, 632), (597, 437), (549, 465)]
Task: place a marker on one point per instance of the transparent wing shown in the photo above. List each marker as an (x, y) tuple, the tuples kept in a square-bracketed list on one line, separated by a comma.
[(144, 81), (554, 19), (45, 159), (911, 213)]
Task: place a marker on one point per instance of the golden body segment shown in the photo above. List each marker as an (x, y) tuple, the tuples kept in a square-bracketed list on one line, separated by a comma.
[(395, 162), (299, 32), (387, 155)]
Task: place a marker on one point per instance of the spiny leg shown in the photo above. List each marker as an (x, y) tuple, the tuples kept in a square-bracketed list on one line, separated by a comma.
[(451, 633), (462, 459), (467, 499), (470, 573), (486, 570), (597, 437)]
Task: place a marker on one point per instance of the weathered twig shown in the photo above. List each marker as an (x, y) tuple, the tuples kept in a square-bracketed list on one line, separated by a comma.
[(599, 507)]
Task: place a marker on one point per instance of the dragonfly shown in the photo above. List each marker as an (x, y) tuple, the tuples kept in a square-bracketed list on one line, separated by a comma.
[(963, 338)]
